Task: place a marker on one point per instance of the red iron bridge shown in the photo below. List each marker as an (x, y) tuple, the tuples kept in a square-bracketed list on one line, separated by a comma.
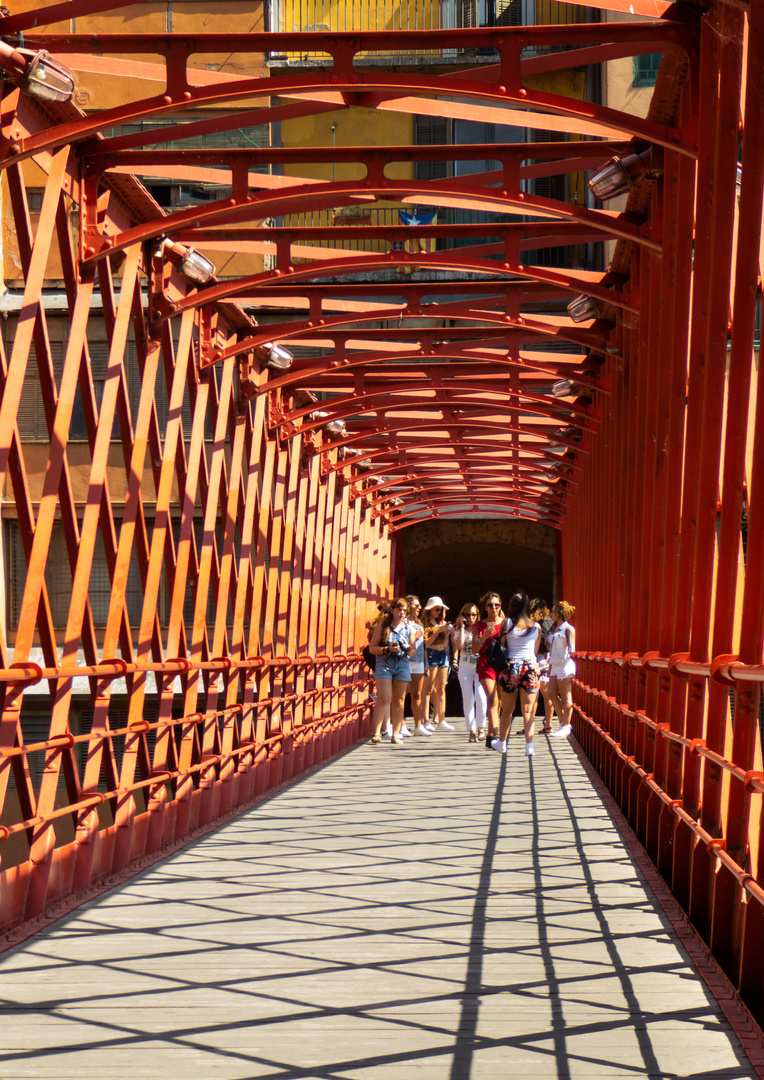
[(306, 307)]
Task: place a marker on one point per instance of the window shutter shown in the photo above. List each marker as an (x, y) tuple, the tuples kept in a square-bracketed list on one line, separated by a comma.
[(467, 13), (508, 13), (431, 131)]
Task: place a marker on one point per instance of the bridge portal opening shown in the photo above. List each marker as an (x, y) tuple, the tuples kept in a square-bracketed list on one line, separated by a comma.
[(460, 560)]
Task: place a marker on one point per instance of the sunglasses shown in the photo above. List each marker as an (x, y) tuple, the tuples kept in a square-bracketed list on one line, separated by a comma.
[(493, 605)]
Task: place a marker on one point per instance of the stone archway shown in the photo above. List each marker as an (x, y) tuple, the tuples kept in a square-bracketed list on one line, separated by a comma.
[(461, 559)]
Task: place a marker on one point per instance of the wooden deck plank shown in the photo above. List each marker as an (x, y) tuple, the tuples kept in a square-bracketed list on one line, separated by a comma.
[(431, 911)]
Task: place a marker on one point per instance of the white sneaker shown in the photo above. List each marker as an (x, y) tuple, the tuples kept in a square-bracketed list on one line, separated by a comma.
[(429, 727), (499, 746), (563, 732), (405, 732), (420, 729), (444, 726), (529, 751), (387, 734)]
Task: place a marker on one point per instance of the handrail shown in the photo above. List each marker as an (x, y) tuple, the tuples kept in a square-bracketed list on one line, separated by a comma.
[(725, 668), (28, 672), (754, 781)]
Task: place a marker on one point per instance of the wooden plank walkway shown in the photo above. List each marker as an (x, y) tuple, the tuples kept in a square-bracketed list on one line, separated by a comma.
[(427, 912)]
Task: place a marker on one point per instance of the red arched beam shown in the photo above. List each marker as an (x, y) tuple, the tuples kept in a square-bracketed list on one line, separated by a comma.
[(292, 331), (414, 397)]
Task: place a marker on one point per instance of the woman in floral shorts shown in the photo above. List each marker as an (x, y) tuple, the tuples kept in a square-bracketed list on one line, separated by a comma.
[(522, 637)]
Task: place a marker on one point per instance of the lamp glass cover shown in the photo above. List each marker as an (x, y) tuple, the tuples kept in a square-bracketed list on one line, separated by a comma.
[(583, 308), (196, 268), (278, 357), (610, 180), (48, 80)]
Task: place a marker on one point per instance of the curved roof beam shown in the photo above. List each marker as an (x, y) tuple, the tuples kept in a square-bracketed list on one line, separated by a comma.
[(565, 281), (413, 397), (398, 520), (550, 328), (72, 9), (487, 431), (329, 375), (244, 206)]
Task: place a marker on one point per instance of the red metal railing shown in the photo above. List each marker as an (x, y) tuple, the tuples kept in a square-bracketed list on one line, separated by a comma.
[(664, 543)]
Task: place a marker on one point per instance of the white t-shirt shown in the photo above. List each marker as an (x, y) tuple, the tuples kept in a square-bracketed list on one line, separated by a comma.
[(521, 642), (559, 650), (467, 658)]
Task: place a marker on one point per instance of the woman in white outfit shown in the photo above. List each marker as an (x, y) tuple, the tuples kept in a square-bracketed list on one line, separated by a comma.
[(474, 702), (521, 636), (561, 640), (417, 665)]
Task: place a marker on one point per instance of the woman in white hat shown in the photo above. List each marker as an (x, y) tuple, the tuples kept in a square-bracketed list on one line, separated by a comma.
[(437, 631)]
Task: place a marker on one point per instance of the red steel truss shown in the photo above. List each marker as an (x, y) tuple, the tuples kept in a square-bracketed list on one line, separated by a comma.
[(258, 509)]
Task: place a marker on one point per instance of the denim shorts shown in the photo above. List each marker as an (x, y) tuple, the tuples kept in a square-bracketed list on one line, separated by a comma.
[(417, 667), (437, 657), (393, 667)]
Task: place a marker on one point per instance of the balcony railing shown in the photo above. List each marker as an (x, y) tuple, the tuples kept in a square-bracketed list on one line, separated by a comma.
[(327, 16)]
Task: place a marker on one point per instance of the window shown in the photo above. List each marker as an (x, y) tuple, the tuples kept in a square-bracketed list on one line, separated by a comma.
[(31, 415), (432, 131), (474, 13), (646, 69), (58, 578), (554, 186)]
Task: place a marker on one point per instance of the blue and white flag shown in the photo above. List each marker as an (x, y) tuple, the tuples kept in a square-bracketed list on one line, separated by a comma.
[(416, 219), (417, 244)]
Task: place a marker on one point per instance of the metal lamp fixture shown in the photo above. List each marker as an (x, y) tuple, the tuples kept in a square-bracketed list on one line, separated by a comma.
[(191, 263), (619, 175), (335, 427), (274, 356), (196, 267), (583, 308), (38, 74), (331, 427)]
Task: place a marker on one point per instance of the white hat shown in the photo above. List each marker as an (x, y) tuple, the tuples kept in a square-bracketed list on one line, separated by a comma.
[(435, 601)]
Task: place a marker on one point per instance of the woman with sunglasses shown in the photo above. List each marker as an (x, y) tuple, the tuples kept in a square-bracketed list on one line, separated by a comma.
[(391, 645), (473, 695), (436, 634), (522, 636), (417, 665), (490, 626)]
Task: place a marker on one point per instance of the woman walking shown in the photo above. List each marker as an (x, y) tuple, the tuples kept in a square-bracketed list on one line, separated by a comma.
[(561, 640), (522, 637), (540, 614), (489, 627), (473, 694), (436, 634), (391, 644), (417, 665)]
